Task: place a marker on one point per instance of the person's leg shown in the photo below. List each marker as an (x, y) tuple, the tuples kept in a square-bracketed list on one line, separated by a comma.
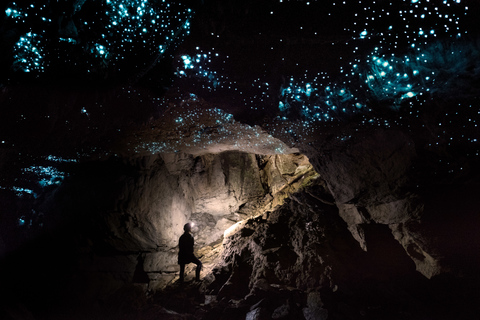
[(198, 269), (182, 272)]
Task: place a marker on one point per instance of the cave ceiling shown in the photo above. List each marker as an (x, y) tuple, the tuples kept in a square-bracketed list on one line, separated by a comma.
[(94, 79)]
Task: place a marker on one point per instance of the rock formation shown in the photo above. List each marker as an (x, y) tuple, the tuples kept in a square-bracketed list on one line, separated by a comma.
[(326, 152), (278, 239)]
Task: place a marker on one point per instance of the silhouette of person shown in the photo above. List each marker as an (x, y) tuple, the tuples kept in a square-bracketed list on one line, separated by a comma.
[(185, 253)]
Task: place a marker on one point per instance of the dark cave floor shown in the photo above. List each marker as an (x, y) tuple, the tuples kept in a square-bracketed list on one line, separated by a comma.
[(443, 298)]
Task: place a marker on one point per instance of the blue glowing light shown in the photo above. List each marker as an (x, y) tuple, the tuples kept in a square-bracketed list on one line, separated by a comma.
[(28, 52), (100, 51), (197, 66), (124, 30), (14, 13), (21, 221), (69, 40), (20, 192), (59, 159), (187, 61), (47, 176)]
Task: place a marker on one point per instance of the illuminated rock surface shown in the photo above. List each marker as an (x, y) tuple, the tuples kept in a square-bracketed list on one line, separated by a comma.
[(327, 152), (162, 193)]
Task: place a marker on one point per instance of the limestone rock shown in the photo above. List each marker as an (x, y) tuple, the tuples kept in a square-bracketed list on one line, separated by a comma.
[(257, 314), (147, 200), (314, 309), (350, 214), (275, 249), (209, 190), (367, 170), (165, 261), (425, 262), (367, 177), (398, 211)]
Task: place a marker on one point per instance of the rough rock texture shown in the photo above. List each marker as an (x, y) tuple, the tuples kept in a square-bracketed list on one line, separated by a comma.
[(301, 262), (388, 230), (276, 250), (359, 240), (368, 169), (135, 211), (368, 177)]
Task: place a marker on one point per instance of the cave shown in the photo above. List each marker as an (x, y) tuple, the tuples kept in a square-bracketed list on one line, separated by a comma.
[(326, 155)]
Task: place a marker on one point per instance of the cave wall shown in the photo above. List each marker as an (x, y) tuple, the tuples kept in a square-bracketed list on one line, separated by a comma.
[(370, 239), (383, 178), (171, 189), (128, 214), (302, 261), (363, 223), (370, 178)]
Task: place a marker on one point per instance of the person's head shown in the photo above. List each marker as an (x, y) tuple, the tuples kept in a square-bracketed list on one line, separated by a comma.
[(187, 227)]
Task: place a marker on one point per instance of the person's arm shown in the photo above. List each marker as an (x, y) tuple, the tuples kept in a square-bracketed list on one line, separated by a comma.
[(192, 243)]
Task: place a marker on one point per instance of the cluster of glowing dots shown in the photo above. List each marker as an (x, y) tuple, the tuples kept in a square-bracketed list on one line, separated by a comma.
[(410, 27), (138, 22), (198, 67), (380, 31), (318, 100), (416, 21), (40, 176), (119, 30), (418, 25), (393, 78), (28, 53), (213, 127), (183, 122), (46, 175), (399, 57)]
